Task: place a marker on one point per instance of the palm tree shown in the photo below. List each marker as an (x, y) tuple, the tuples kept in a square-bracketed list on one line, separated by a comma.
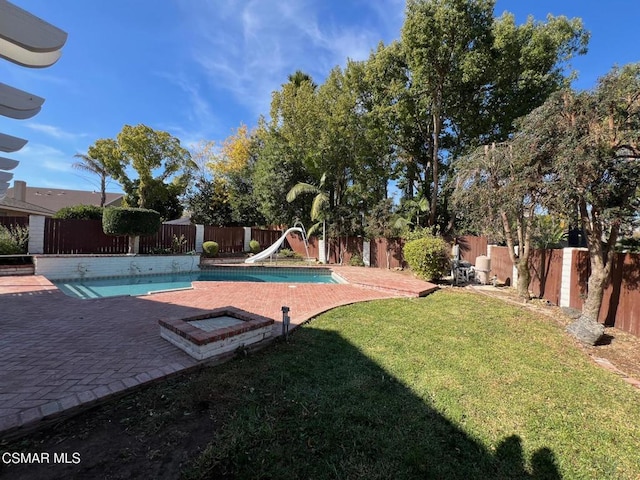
[(299, 77), (318, 206), (90, 164)]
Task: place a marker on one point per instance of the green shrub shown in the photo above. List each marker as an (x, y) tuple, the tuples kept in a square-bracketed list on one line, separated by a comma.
[(14, 240), (356, 260), (416, 233), (254, 246), (80, 212), (130, 221), (210, 249), (428, 257), (288, 253)]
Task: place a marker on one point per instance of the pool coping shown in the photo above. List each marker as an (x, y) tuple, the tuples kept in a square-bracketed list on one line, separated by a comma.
[(328, 271)]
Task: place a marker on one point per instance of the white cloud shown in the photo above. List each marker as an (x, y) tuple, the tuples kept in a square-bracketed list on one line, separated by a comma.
[(199, 109), (36, 155), (55, 132), (249, 48)]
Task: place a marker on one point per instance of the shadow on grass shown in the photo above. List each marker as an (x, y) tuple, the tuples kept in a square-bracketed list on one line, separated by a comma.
[(316, 407), (319, 408)]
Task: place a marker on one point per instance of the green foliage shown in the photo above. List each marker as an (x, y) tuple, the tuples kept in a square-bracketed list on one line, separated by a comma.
[(162, 197), (591, 139), (210, 204), (130, 221), (14, 239), (381, 221), (210, 249), (629, 244), (288, 253), (549, 232), (417, 233), (178, 244), (102, 159), (254, 246), (428, 257), (163, 167), (80, 212), (356, 260)]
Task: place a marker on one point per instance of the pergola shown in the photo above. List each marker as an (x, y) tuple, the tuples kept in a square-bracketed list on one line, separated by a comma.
[(28, 41)]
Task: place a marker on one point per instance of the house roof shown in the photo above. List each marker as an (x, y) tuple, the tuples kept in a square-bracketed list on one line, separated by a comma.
[(12, 204), (54, 199)]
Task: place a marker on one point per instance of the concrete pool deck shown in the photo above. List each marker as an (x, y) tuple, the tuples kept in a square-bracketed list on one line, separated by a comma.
[(59, 354)]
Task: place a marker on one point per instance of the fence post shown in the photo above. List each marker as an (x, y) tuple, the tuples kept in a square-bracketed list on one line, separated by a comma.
[(199, 238), (366, 253), (247, 240), (322, 252), (36, 234), (568, 271)]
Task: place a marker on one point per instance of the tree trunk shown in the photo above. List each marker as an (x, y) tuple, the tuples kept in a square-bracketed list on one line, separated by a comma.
[(437, 126), (103, 191), (133, 244), (524, 278), (586, 328)]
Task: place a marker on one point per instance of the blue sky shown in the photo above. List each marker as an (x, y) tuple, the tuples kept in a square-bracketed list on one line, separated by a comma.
[(198, 69)]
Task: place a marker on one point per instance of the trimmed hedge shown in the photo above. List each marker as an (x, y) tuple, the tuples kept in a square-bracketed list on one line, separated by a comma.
[(428, 257), (130, 221), (80, 212), (210, 249), (254, 246)]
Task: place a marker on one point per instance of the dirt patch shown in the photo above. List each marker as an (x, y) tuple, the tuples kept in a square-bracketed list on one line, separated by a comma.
[(110, 441)]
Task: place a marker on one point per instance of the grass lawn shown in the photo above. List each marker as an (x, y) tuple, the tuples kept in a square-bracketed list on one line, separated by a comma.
[(454, 385)]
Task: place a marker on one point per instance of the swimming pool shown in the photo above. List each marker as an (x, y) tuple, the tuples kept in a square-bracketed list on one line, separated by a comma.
[(144, 284)]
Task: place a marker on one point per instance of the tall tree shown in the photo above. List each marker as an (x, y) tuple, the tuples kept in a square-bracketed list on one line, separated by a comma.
[(209, 203), (498, 190), (156, 156), (528, 63), (286, 145), (595, 140), (446, 42), (102, 159), (469, 76), (93, 165)]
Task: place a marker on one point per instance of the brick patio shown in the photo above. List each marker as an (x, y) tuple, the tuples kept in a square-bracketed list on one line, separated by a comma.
[(60, 353)]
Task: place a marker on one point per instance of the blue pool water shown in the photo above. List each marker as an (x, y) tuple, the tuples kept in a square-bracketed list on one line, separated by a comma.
[(144, 284)]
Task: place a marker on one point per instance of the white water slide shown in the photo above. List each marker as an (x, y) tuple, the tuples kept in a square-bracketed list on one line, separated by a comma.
[(267, 252)]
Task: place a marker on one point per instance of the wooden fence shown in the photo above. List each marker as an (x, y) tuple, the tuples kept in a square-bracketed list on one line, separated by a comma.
[(296, 243), (170, 239), (229, 239), (471, 247), (383, 249), (11, 221), (265, 237), (501, 264), (545, 266), (621, 302), (71, 236)]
